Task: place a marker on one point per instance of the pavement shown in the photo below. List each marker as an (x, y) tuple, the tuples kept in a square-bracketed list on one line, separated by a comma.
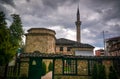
[(47, 76)]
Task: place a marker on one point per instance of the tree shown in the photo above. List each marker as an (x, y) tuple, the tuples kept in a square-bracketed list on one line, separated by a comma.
[(6, 49), (10, 39), (94, 72), (16, 31), (101, 72), (112, 73), (2, 20), (98, 72), (2, 36)]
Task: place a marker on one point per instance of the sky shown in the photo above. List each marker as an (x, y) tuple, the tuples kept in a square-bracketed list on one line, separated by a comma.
[(60, 15)]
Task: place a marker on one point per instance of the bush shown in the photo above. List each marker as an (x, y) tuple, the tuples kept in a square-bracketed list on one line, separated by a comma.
[(43, 68), (94, 72), (112, 73), (98, 72), (101, 72), (50, 67)]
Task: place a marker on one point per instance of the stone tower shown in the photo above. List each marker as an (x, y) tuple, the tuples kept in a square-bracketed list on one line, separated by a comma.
[(40, 39), (78, 23)]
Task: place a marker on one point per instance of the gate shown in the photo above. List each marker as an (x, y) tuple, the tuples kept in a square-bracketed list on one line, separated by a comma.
[(35, 65)]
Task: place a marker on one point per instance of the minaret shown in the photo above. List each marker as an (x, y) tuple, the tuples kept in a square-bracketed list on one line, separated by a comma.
[(78, 23)]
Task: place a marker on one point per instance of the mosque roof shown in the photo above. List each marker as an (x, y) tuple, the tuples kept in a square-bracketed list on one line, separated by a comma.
[(71, 43)]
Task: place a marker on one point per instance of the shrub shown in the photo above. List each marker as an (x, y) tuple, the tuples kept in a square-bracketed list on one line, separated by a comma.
[(94, 72), (43, 68), (98, 72), (50, 67), (101, 72), (112, 73)]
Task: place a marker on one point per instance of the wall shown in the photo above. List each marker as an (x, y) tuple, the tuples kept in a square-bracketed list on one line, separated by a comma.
[(84, 69), (65, 52), (39, 39), (83, 53), (24, 67), (79, 68)]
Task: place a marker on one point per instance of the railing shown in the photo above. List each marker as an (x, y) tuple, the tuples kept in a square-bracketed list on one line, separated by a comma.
[(12, 72)]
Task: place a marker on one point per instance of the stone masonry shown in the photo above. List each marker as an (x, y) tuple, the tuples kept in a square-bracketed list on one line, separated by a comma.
[(40, 39)]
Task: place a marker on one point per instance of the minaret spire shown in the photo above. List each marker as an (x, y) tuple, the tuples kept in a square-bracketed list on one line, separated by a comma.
[(78, 14), (78, 23)]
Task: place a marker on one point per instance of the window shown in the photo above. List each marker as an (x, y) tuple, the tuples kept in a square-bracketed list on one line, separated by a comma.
[(68, 48), (61, 48), (69, 67)]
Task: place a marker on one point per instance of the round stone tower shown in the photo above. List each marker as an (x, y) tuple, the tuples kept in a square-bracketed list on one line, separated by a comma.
[(40, 39)]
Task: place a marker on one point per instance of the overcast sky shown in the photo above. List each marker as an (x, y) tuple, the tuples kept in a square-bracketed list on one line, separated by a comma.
[(60, 15)]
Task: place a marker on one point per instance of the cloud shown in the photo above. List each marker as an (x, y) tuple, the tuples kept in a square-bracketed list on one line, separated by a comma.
[(4, 3), (62, 32), (9, 2), (60, 15)]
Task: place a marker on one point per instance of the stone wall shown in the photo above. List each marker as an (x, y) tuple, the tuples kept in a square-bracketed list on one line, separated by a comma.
[(39, 39), (82, 69), (72, 77), (58, 67), (72, 50), (65, 52), (24, 67), (41, 30), (82, 66)]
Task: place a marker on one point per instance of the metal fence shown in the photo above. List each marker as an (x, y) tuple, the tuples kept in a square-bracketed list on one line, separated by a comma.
[(12, 72)]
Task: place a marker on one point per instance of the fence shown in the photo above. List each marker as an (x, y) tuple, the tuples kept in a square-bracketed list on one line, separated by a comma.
[(12, 72), (67, 66)]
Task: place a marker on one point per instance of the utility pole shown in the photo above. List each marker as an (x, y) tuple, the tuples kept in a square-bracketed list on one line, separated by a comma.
[(104, 43)]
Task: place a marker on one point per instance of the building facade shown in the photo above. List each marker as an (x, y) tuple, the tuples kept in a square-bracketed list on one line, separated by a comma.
[(69, 47), (99, 52), (113, 46)]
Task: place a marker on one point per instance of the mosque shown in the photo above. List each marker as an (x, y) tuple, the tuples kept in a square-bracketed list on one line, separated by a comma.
[(44, 41)]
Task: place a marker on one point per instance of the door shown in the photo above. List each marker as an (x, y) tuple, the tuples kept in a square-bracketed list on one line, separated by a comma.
[(35, 65)]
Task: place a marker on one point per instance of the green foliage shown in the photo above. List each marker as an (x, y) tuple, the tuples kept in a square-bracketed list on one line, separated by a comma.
[(43, 68), (101, 72), (16, 31), (6, 49), (50, 67), (112, 73), (8, 38), (3, 28), (94, 72), (98, 72), (2, 20)]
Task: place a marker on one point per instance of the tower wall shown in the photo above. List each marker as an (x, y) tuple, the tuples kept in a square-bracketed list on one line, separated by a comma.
[(40, 39)]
